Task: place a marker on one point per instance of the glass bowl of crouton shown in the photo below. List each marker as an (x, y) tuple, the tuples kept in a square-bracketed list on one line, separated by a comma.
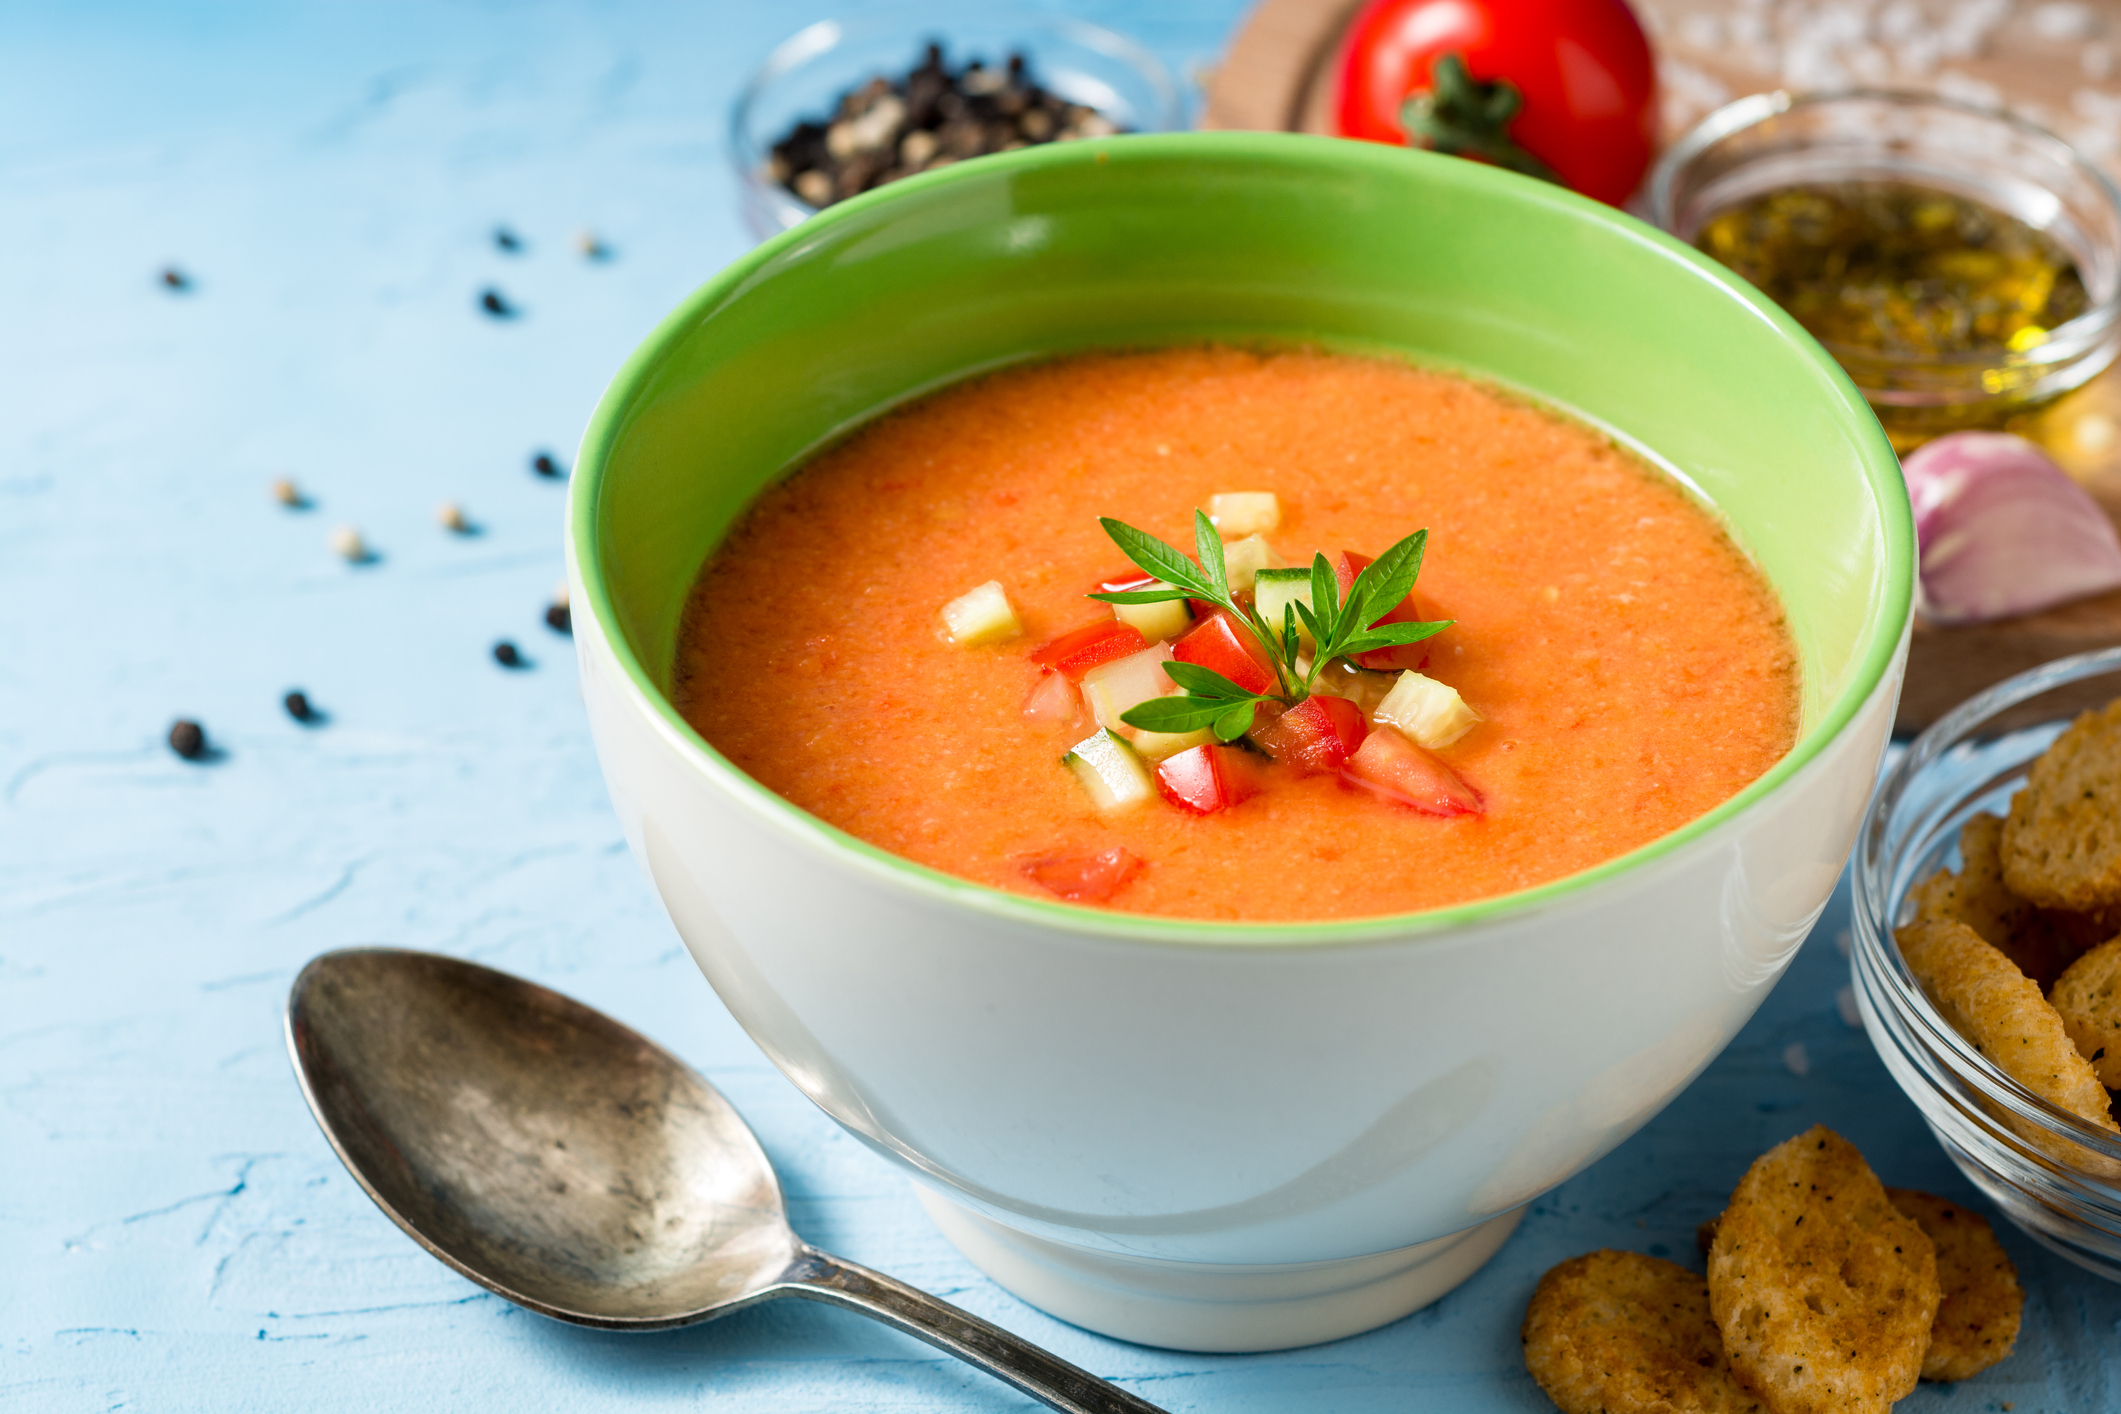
[(847, 105), (1987, 965)]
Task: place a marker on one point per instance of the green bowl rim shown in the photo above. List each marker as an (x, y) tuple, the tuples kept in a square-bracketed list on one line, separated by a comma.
[(613, 409)]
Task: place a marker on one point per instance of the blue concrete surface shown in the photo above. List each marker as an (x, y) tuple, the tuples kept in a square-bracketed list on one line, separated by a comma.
[(174, 1234)]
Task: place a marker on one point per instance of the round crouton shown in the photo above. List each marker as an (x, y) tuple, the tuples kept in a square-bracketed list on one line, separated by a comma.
[(1622, 1333), (1977, 1320), (2087, 997), (1824, 1291), (1995, 1006), (2062, 843)]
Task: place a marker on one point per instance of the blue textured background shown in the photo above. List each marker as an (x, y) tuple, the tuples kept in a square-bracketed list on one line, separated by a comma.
[(174, 1234)]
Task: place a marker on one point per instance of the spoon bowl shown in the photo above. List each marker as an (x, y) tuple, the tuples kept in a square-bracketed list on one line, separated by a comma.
[(578, 1169)]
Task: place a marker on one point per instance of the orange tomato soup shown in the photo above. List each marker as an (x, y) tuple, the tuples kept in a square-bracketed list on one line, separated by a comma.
[(1633, 667)]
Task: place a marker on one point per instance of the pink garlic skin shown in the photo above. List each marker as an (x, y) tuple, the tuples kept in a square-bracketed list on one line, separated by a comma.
[(2002, 530)]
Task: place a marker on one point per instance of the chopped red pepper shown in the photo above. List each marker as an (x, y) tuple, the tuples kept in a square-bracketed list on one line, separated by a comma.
[(1219, 645), (1318, 734), (1084, 878), (1346, 565), (1391, 766), (1077, 652), (1205, 779)]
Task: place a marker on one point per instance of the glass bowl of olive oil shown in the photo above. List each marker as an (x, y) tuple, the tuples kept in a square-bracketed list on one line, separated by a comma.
[(1964, 266)]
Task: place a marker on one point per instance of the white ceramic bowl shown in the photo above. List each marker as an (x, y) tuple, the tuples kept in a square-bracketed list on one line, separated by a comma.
[(1233, 1137)]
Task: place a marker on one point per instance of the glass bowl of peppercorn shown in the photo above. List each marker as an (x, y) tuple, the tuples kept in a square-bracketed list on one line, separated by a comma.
[(846, 106), (1963, 265)]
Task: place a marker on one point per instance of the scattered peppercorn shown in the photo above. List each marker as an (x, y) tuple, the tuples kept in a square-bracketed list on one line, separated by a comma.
[(559, 618), (289, 495), (507, 240), (543, 464), (347, 544), (934, 116), (591, 246), (451, 516), (505, 654), (188, 739), (297, 704), (496, 304), (175, 279)]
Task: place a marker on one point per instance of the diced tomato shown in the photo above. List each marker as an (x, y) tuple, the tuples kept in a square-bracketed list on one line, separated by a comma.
[(1318, 734), (1411, 656), (1219, 645), (1205, 779), (1077, 652), (1084, 878), (1395, 768)]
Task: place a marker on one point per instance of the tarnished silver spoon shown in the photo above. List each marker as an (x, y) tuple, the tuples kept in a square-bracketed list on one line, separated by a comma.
[(579, 1169)]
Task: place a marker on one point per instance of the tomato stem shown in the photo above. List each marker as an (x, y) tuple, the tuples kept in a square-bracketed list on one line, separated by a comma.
[(1462, 117)]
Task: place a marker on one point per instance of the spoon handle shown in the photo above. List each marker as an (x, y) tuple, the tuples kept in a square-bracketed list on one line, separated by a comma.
[(1042, 1375)]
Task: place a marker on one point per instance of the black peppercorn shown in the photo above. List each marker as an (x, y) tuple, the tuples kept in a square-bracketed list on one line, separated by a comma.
[(507, 240), (544, 465), (175, 279), (505, 654), (559, 618), (297, 704), (188, 739), (496, 304)]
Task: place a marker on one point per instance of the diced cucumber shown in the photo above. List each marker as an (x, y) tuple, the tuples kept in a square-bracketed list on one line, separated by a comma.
[(1240, 513), (1244, 559), (1110, 771), (981, 615), (1112, 688), (1428, 712), (1155, 746), (1155, 622), (1274, 590)]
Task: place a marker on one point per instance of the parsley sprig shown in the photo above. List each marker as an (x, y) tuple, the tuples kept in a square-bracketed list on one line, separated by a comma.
[(1338, 628)]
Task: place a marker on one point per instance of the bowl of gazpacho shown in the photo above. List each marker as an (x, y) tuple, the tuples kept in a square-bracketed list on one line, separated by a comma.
[(1239, 705)]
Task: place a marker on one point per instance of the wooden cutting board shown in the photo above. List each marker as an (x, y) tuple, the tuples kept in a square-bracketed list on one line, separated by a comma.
[(2056, 63)]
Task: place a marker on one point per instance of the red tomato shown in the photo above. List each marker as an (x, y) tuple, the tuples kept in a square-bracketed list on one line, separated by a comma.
[(1582, 68), (1221, 646), (1317, 734), (1084, 878), (1346, 565), (1077, 652), (1389, 765), (1204, 779)]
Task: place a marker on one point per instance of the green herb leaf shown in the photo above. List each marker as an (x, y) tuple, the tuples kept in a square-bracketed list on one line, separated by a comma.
[(1209, 546), (1236, 722), (1394, 635), (1204, 682), (1325, 593), (1310, 622), (1153, 556), (1389, 579), (1140, 596), (1179, 713), (1290, 643)]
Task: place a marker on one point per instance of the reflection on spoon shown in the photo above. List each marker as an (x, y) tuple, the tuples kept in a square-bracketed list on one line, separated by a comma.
[(578, 1169)]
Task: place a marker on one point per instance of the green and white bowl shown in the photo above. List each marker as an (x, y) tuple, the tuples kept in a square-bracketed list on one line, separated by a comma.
[(1235, 1136)]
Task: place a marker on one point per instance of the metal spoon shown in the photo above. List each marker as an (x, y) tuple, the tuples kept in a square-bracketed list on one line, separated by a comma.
[(579, 1169)]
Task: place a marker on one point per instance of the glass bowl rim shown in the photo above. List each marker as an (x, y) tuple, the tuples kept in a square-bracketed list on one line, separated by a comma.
[(2068, 340), (1878, 958)]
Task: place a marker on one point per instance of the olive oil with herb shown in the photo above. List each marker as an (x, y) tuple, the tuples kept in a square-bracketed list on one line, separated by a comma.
[(1896, 278)]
